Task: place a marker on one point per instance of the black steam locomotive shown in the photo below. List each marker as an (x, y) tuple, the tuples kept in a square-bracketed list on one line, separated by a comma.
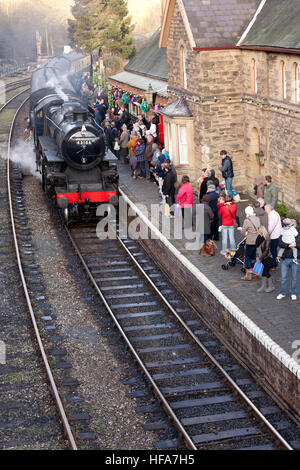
[(77, 168)]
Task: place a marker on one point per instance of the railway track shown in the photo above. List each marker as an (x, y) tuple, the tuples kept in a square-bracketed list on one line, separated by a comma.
[(21, 241), (212, 401), (14, 85)]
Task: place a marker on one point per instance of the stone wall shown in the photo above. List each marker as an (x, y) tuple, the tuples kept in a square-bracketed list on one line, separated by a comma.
[(229, 114)]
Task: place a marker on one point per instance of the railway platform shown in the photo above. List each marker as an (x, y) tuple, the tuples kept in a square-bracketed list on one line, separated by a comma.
[(264, 330)]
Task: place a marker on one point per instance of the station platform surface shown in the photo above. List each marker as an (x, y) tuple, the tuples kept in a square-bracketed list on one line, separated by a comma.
[(279, 319)]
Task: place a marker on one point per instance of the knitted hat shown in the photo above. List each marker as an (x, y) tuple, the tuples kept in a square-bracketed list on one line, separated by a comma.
[(212, 187), (286, 221), (249, 211)]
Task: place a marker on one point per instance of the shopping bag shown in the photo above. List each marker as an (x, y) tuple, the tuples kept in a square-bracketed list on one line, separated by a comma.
[(177, 211), (167, 209), (258, 269)]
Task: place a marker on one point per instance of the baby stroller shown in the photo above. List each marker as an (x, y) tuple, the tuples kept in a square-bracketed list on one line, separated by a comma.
[(232, 258)]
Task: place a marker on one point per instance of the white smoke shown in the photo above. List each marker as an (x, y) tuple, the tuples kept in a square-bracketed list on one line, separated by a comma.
[(24, 155), (57, 88)]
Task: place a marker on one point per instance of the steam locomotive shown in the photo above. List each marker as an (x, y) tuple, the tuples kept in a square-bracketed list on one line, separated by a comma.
[(77, 169)]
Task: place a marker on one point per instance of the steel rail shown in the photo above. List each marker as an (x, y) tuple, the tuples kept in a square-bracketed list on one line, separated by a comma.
[(187, 439), (14, 85), (237, 389), (13, 98), (58, 400)]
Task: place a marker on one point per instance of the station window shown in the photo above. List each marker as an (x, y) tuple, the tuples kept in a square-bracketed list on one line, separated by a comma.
[(296, 83), (182, 145), (282, 78), (254, 76), (183, 76)]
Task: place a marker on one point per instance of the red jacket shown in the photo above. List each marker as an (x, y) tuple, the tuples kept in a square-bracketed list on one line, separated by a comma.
[(227, 220), (185, 196)]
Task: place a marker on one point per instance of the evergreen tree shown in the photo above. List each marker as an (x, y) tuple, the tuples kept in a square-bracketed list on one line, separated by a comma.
[(103, 25)]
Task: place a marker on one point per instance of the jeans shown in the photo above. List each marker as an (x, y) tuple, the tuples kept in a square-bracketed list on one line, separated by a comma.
[(141, 166), (250, 253), (117, 154), (286, 266), (147, 169), (273, 249), (228, 231), (228, 185)]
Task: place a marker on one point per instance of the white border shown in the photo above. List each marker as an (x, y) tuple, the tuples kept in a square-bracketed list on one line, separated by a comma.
[(253, 329)]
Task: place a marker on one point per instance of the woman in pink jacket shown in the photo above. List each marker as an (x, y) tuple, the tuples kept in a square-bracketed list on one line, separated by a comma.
[(185, 198)]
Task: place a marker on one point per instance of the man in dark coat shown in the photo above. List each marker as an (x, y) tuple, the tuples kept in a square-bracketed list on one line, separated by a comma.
[(168, 188), (108, 135), (227, 171), (100, 112), (125, 118), (208, 218), (213, 201)]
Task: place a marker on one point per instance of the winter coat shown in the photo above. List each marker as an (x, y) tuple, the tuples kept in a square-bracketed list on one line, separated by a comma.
[(213, 178), (124, 118), (148, 152), (263, 248), (168, 187), (203, 188), (259, 188), (185, 196), (224, 208), (158, 169), (213, 196), (140, 152), (208, 218), (271, 195), (124, 139), (132, 145), (250, 227), (227, 167), (274, 225), (262, 215)]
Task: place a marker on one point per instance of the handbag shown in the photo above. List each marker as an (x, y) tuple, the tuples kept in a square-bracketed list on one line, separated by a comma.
[(258, 269), (208, 249)]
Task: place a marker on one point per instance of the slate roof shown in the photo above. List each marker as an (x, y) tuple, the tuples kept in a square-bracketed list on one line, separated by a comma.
[(219, 23), (141, 82), (150, 60), (179, 108), (277, 25)]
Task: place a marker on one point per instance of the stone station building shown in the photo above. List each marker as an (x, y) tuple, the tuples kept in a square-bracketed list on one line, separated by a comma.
[(234, 84)]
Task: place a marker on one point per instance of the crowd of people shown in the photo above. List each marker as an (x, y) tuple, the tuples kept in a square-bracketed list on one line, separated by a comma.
[(266, 238)]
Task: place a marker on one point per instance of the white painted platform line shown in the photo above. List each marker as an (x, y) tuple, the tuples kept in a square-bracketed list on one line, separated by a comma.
[(253, 329)]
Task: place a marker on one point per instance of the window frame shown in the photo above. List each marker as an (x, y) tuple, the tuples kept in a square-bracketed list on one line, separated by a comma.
[(254, 76), (283, 84), (180, 144)]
